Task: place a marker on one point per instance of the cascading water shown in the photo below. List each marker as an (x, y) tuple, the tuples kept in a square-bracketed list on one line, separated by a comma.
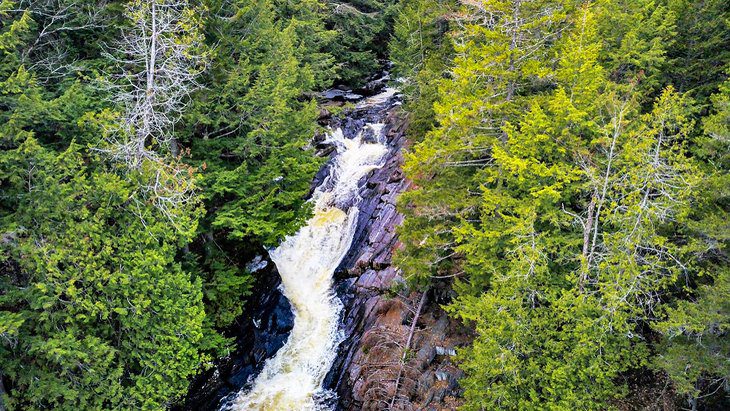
[(306, 261)]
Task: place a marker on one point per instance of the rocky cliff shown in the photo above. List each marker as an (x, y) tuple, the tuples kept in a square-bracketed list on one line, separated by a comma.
[(398, 345), (388, 361)]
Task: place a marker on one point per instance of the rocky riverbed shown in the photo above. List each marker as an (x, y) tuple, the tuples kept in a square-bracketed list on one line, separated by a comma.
[(378, 317), (370, 371)]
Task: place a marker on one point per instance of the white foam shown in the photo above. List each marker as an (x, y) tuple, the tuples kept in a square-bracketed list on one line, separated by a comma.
[(292, 379)]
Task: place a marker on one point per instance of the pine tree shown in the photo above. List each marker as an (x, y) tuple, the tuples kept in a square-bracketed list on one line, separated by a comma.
[(575, 222), (636, 37), (363, 28), (697, 55), (501, 53), (695, 350), (102, 315), (544, 340), (95, 311), (421, 53), (313, 40), (250, 130)]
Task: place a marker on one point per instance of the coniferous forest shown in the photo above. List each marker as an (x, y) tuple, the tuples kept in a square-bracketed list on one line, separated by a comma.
[(568, 165)]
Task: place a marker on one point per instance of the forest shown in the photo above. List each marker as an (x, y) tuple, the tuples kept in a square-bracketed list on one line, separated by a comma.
[(568, 162)]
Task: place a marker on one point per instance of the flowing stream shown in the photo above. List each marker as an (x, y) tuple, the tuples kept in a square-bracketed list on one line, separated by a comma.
[(306, 261)]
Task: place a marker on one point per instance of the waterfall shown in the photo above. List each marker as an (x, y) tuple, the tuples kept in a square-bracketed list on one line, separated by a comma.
[(306, 261)]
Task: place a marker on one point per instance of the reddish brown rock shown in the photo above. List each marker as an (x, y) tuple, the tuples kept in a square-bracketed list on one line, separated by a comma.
[(377, 322)]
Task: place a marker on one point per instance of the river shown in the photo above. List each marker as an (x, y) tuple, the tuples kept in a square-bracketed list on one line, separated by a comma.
[(306, 261)]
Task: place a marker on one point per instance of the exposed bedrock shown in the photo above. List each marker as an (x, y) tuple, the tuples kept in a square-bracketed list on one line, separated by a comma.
[(377, 320), (385, 360), (259, 333)]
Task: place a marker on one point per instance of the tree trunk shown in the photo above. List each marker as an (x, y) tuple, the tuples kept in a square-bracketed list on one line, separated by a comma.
[(407, 346)]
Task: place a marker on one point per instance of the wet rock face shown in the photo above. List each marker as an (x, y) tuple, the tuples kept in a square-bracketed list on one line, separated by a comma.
[(377, 321), (268, 319), (257, 338), (375, 238), (341, 95), (373, 85)]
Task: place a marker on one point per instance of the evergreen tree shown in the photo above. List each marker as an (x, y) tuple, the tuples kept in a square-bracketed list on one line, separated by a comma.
[(569, 168), (250, 132), (498, 59), (363, 28), (544, 340), (313, 41), (698, 53), (560, 190), (95, 312), (635, 36), (421, 54), (695, 350)]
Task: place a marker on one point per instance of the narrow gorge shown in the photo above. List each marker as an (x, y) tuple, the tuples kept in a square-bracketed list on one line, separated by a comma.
[(370, 205), (330, 333)]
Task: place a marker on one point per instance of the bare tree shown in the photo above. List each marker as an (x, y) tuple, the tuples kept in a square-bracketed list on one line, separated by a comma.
[(50, 54), (159, 59), (390, 372), (638, 181)]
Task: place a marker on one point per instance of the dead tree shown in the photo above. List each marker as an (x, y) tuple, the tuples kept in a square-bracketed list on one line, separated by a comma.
[(391, 382), (159, 59), (50, 55)]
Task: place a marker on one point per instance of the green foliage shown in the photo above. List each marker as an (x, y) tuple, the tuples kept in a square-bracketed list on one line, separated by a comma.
[(695, 345), (249, 132), (421, 55), (695, 351), (636, 35), (95, 311), (313, 40), (492, 65), (116, 283), (570, 176), (103, 316), (547, 339), (717, 124), (565, 189), (698, 53), (363, 28)]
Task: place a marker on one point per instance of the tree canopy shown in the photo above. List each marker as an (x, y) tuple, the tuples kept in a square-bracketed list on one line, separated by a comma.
[(569, 162), (570, 182)]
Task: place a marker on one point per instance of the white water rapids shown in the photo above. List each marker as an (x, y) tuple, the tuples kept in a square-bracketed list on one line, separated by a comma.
[(292, 379)]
